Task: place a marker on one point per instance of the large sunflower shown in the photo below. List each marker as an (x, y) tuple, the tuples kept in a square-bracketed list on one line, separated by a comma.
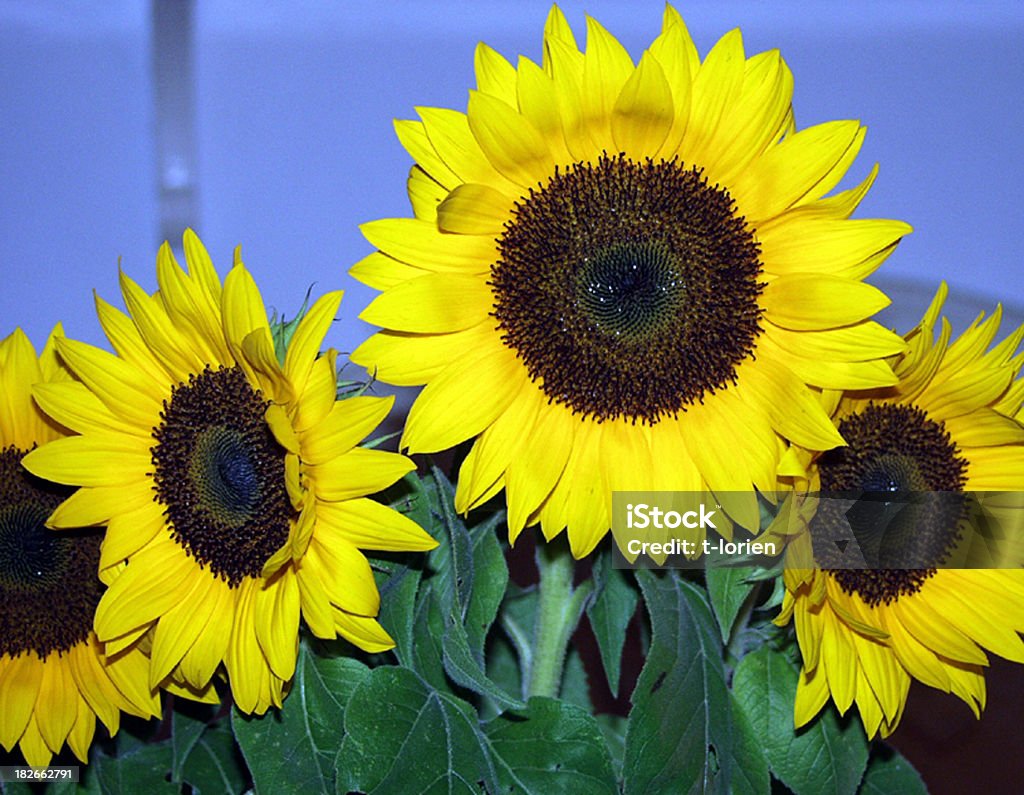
[(624, 276), (230, 483), (54, 678), (864, 634)]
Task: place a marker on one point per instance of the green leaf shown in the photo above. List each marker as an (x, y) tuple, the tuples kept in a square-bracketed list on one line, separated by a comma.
[(453, 557), (610, 610), (401, 735), (575, 687), (680, 734), (412, 496), (490, 579), (470, 585), (398, 589), (188, 722), (518, 619), (750, 774), (613, 728), (728, 589), (214, 764), (503, 670), (146, 768), (468, 671), (293, 748), (428, 634), (890, 772), (826, 756), (551, 747), (282, 331)]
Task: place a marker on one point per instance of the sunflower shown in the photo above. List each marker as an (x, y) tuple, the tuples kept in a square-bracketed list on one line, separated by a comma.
[(625, 276), (54, 678), (864, 634), (230, 483)]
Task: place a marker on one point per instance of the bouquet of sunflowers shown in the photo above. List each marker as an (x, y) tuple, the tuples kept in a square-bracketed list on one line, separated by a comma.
[(622, 279)]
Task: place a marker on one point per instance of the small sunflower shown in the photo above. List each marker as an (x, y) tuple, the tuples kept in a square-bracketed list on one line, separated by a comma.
[(230, 483), (625, 276), (864, 634), (54, 678)]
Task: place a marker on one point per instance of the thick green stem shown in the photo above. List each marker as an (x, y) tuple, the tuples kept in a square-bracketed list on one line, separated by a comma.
[(558, 613)]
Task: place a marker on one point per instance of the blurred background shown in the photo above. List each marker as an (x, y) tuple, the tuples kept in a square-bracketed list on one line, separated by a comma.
[(268, 124)]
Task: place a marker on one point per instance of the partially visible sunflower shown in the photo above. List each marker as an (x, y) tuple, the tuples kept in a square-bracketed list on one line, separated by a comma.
[(54, 678), (230, 483), (863, 633), (625, 277)]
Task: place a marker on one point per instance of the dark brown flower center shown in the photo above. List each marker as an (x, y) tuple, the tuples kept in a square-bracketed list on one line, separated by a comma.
[(628, 289), (220, 474), (905, 478), (49, 586)]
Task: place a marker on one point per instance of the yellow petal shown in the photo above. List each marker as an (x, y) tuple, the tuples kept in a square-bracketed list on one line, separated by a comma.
[(358, 473), (413, 137), (716, 86), (348, 422), (123, 388), (364, 632), (243, 310), (494, 75), (800, 243), (643, 112), (276, 619), (511, 143), (803, 166), (420, 243), (317, 611), (281, 426), (318, 396), (818, 301), (538, 102), (192, 304), (437, 302), (164, 339), (200, 266), (451, 134), (127, 342), (18, 416), (606, 68), (369, 525), (345, 572), (474, 210), (305, 343), (463, 400), (409, 359), (792, 407), (179, 627), (91, 460), (20, 679), (208, 650), (861, 342), (669, 50), (157, 579), (79, 409), (129, 530), (533, 472), (425, 194), (56, 705)]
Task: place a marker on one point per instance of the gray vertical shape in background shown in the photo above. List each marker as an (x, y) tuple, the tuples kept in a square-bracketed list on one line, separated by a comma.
[(174, 118)]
